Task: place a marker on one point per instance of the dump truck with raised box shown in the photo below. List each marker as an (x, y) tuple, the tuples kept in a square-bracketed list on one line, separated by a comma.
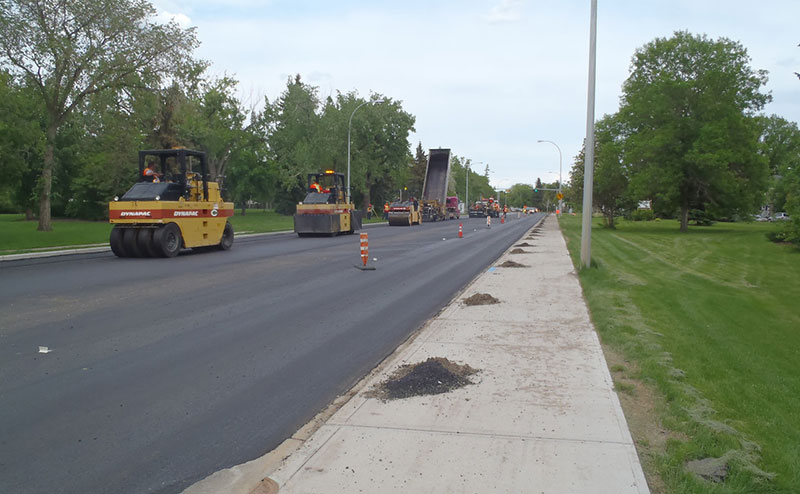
[(434, 188), (325, 210), (404, 213), (171, 207)]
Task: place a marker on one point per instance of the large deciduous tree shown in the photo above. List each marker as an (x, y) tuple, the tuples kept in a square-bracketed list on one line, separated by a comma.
[(292, 125), (687, 112), (610, 188), (69, 50)]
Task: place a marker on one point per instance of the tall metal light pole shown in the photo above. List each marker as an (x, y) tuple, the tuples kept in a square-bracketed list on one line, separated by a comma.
[(560, 203), (588, 165), (349, 124)]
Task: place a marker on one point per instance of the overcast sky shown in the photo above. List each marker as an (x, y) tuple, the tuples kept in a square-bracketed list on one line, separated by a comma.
[(486, 78)]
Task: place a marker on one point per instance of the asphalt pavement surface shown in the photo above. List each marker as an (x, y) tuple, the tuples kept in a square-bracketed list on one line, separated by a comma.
[(160, 372)]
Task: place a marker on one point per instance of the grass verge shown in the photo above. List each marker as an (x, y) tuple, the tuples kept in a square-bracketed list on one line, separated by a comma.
[(701, 333)]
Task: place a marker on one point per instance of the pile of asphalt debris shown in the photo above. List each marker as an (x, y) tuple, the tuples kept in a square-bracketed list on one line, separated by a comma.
[(481, 299), (434, 376)]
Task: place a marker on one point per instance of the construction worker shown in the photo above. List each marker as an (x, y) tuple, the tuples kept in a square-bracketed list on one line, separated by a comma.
[(314, 187), (150, 173), (386, 211)]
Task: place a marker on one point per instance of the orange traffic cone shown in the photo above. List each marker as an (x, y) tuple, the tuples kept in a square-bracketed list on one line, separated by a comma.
[(488, 222), (365, 253), (460, 231)]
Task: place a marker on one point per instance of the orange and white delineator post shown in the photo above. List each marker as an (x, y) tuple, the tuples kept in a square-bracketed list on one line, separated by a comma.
[(364, 241), (488, 222), (364, 249), (460, 231)]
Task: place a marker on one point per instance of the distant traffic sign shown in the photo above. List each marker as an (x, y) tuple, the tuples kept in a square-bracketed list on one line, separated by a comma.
[(559, 196)]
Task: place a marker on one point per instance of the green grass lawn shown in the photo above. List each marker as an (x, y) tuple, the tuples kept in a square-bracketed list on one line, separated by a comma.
[(709, 320), (18, 235)]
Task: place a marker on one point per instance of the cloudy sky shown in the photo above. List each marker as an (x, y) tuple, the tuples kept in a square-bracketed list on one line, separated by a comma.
[(486, 78)]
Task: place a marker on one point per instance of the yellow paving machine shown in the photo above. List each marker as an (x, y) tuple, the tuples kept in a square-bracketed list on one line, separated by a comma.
[(173, 206), (325, 210), (405, 213)]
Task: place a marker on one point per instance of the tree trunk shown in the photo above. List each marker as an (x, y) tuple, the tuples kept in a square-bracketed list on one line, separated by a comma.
[(29, 214), (244, 208), (609, 219), (47, 179), (685, 214)]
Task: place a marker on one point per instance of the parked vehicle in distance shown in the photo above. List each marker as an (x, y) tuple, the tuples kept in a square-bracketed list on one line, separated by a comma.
[(453, 211), (781, 216)]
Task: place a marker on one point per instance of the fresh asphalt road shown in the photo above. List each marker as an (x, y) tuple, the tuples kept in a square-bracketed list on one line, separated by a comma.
[(163, 371)]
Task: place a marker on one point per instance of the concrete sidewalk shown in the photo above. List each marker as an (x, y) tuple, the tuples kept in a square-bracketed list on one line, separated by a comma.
[(542, 415)]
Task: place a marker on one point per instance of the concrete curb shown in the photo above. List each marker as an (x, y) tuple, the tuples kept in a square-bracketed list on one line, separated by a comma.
[(93, 249)]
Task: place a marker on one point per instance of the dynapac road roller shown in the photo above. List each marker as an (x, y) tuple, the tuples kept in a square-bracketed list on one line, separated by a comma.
[(325, 210), (171, 207), (405, 213)]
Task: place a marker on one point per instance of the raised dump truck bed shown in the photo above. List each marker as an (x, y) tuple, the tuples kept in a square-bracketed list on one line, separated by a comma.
[(434, 189)]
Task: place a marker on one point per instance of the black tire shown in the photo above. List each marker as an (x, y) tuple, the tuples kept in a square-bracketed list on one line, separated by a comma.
[(227, 237), (129, 242), (144, 240), (167, 240), (116, 242)]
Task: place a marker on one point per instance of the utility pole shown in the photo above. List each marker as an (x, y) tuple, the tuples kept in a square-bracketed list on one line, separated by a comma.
[(588, 165)]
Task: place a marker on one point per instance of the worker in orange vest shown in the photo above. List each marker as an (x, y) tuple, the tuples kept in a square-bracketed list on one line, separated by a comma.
[(386, 211), (151, 174), (314, 187)]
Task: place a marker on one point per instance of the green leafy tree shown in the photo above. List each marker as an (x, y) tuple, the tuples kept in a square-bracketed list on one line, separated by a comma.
[(292, 127), (71, 50), (520, 195), (418, 169), (611, 193), (21, 145), (780, 144), (689, 136), (215, 123), (379, 146)]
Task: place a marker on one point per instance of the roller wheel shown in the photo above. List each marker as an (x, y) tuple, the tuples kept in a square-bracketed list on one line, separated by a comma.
[(167, 240), (116, 242), (129, 242), (144, 240), (227, 237)]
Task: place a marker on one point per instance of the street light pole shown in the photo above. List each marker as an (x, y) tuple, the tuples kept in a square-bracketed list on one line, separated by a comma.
[(349, 124), (588, 168), (560, 204)]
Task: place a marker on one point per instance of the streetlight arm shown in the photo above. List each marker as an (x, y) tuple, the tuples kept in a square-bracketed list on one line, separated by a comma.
[(560, 181)]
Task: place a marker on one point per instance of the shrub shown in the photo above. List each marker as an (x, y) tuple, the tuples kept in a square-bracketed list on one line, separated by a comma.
[(643, 215)]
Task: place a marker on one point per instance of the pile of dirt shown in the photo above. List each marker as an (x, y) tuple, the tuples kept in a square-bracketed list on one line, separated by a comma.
[(434, 376), (512, 264), (524, 244), (481, 299), (520, 251)]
